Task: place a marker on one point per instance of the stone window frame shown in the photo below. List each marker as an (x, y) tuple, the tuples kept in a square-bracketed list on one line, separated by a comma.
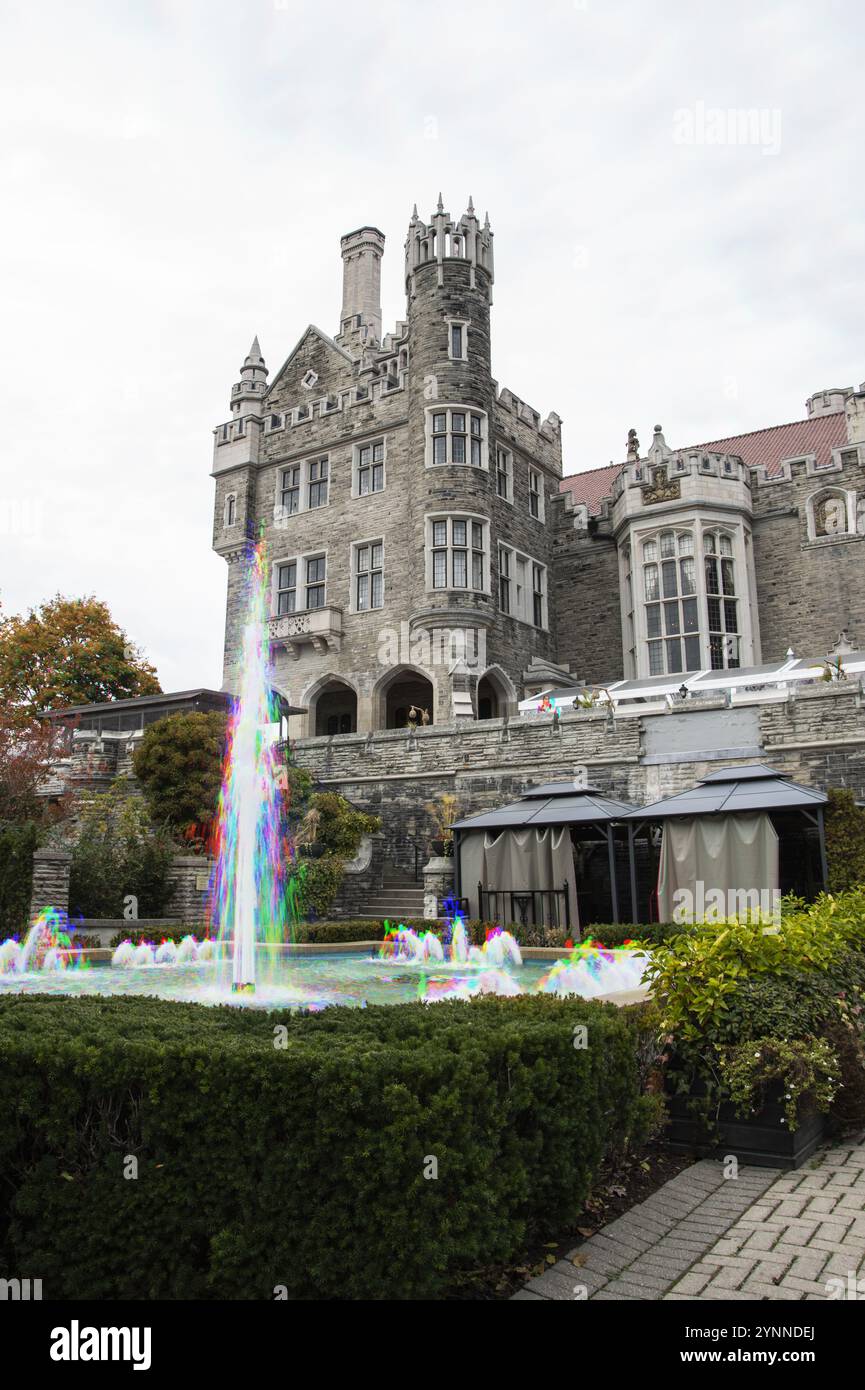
[(301, 582), (524, 612), (463, 324), (508, 473), (449, 517), (448, 408), (229, 511), (845, 495), (647, 552), (280, 515), (538, 492), (355, 573), (355, 465)]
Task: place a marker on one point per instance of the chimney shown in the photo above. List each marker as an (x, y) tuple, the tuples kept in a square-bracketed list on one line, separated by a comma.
[(361, 282)]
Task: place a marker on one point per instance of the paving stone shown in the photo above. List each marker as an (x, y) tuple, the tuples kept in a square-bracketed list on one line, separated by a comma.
[(692, 1283), (524, 1296)]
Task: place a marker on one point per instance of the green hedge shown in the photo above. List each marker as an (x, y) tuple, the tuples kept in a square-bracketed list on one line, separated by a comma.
[(366, 929), (301, 1166), (17, 843)]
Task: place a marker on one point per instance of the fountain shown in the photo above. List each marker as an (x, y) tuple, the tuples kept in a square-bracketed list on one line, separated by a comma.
[(593, 969), (47, 946)]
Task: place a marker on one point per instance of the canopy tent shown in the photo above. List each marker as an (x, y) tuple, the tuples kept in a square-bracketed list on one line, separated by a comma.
[(722, 836), (520, 856), (780, 676)]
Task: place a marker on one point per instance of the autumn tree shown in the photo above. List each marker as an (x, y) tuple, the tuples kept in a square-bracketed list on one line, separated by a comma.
[(68, 652), (179, 766)]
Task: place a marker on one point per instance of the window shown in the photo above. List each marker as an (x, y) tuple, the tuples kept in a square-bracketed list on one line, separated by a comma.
[(671, 603), (504, 579), (303, 487), (457, 435), (286, 587), (318, 479), (458, 553), (369, 468), (536, 494), (457, 340), (504, 474), (291, 490), (721, 603), (230, 510), (539, 598), (315, 576), (522, 587), (368, 575)]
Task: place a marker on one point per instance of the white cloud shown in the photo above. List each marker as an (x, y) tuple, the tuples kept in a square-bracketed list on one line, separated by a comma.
[(177, 176)]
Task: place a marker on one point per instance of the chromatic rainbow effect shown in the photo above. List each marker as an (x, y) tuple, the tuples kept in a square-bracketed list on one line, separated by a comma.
[(256, 879), (47, 945)]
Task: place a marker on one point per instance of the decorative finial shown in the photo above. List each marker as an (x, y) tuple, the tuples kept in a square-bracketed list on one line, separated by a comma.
[(441, 206), (414, 216), (471, 207), (633, 446), (486, 221)]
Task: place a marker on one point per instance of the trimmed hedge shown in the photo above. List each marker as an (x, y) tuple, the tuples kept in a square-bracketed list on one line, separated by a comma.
[(261, 1166), (366, 929)]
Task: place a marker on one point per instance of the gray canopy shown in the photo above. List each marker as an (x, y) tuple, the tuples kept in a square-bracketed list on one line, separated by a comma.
[(732, 790)]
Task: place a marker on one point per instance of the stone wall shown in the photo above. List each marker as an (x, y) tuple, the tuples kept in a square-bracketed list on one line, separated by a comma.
[(817, 738), (51, 868)]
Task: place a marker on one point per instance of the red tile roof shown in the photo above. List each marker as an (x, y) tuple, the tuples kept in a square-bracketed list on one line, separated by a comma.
[(592, 486), (760, 448), (772, 446)]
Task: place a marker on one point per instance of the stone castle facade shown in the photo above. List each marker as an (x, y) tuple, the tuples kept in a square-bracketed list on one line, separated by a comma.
[(428, 554)]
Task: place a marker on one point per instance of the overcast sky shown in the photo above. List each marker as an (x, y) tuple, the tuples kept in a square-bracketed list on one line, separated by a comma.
[(176, 177)]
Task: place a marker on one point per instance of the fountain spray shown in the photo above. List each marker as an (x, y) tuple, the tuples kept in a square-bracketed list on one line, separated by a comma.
[(251, 880)]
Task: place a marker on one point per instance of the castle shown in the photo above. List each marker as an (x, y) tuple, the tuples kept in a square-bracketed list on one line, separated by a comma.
[(432, 564)]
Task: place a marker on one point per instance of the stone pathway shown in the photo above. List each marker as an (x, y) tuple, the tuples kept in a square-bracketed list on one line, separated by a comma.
[(764, 1235)]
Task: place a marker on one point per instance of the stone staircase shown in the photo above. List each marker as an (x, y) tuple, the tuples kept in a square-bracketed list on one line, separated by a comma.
[(399, 899)]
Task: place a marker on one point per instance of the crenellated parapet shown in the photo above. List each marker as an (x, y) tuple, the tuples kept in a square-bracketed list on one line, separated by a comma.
[(444, 238)]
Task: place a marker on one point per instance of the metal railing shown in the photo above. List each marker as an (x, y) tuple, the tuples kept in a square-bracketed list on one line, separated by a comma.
[(526, 906)]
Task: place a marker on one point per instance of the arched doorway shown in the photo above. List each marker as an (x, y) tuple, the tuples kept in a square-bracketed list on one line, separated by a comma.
[(399, 694), (495, 695), (333, 710)]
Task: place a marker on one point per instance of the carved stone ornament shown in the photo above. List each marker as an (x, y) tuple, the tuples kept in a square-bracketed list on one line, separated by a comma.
[(660, 490)]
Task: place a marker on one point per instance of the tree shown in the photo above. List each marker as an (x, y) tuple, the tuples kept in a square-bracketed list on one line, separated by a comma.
[(119, 854), (179, 766), (68, 652), (27, 752)]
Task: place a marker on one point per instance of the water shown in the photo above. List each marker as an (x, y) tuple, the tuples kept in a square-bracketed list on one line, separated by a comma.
[(352, 978)]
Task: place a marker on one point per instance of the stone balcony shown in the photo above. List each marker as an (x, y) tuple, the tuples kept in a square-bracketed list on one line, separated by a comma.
[(320, 627)]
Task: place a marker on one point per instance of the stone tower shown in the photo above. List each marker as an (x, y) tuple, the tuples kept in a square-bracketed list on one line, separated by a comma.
[(406, 501)]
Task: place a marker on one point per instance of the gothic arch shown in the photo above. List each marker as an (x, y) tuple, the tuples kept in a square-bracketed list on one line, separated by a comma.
[(829, 513), (331, 700), (395, 693), (499, 690)]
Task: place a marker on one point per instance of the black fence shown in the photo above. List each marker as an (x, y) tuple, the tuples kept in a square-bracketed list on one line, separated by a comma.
[(526, 906)]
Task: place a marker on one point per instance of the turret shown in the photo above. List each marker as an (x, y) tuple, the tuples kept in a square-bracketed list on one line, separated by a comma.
[(442, 239), (248, 393)]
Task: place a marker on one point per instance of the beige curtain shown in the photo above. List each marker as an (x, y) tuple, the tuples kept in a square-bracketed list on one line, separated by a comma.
[(518, 860), (717, 866)]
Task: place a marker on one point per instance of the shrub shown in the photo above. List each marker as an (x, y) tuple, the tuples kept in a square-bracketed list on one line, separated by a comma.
[(17, 843), (118, 854), (805, 1068), (845, 841), (303, 1165), (179, 765)]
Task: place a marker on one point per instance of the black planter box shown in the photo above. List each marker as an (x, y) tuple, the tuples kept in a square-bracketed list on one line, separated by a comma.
[(761, 1139)]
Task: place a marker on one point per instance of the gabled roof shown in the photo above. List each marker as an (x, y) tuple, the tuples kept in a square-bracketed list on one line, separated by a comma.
[(328, 341), (736, 790)]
